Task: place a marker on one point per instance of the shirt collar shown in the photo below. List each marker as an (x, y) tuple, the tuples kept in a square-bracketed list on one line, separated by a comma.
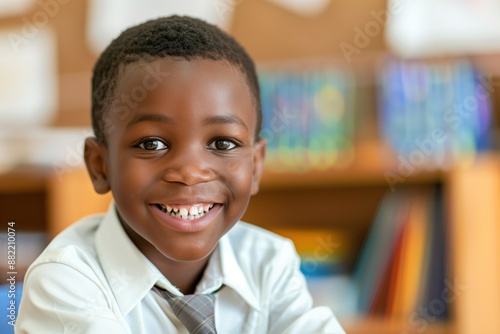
[(131, 275), (233, 274), (126, 270)]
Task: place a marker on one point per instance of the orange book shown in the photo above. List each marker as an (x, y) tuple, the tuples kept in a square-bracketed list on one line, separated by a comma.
[(384, 296), (412, 258)]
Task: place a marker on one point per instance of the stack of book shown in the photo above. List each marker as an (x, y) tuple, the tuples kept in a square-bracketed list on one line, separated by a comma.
[(434, 114), (308, 117), (402, 272)]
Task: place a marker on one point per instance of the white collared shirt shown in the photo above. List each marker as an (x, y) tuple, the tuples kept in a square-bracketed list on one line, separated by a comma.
[(93, 279)]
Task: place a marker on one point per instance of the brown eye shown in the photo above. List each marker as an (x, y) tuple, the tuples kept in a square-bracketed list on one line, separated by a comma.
[(222, 145), (153, 145)]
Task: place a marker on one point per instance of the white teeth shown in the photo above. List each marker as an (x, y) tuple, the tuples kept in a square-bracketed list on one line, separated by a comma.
[(193, 212), (183, 213)]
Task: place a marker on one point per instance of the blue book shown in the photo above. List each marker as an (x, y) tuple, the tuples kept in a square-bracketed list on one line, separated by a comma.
[(375, 257)]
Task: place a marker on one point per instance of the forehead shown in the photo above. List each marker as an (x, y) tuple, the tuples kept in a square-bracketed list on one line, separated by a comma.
[(177, 78), (195, 74)]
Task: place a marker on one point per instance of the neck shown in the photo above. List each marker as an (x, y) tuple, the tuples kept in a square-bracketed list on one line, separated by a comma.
[(184, 275)]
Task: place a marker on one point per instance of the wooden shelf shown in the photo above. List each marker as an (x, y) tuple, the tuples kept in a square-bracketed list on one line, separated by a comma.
[(474, 198), (55, 200), (371, 163), (384, 326), (24, 179), (352, 176)]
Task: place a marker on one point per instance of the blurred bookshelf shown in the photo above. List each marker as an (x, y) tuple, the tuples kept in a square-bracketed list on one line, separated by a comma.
[(393, 222)]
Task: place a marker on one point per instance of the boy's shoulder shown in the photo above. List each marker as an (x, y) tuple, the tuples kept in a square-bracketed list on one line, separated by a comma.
[(76, 241), (247, 239), (262, 256)]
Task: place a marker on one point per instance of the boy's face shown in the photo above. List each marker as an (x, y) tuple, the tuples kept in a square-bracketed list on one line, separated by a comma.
[(180, 141)]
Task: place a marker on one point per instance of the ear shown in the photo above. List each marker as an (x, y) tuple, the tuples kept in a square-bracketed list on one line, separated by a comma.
[(259, 154), (96, 162)]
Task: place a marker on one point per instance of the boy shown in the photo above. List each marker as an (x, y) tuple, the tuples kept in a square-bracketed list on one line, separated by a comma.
[(176, 114)]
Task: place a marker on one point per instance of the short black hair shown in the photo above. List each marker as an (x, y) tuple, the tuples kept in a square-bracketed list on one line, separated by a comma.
[(173, 36)]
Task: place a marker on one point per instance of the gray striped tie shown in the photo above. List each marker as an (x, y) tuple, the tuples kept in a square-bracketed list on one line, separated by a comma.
[(196, 312)]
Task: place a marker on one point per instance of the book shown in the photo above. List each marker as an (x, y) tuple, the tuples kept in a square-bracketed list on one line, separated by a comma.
[(375, 257), (308, 117)]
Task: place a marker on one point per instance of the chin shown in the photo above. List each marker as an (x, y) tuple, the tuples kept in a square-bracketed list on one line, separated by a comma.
[(188, 254)]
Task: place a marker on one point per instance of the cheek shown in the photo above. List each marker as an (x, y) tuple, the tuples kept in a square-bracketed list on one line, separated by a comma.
[(239, 177), (129, 179)]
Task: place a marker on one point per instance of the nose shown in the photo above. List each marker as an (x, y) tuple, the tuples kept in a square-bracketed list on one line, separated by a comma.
[(188, 167)]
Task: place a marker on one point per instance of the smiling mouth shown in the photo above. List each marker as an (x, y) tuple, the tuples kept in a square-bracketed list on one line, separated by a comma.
[(186, 212)]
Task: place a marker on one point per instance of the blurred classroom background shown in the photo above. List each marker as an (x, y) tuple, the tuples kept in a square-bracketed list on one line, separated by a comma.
[(383, 124)]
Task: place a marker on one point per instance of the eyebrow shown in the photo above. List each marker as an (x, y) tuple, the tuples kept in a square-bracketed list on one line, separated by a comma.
[(151, 118), (225, 119), (222, 119)]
